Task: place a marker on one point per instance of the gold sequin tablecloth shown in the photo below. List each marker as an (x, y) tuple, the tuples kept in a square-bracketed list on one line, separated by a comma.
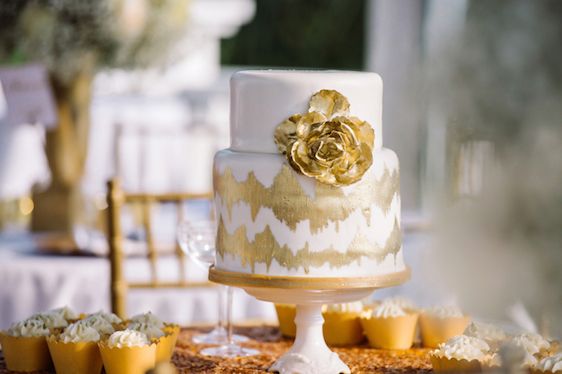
[(267, 339)]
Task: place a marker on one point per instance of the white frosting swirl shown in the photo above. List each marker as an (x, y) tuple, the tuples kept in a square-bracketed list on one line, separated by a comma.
[(530, 342), (29, 328), (464, 347), (388, 310), (127, 338), (552, 363), (151, 331), (356, 307), (149, 319), (79, 332), (401, 301), (109, 317), (518, 351), (99, 323), (485, 331), (52, 320), (445, 311), (65, 312)]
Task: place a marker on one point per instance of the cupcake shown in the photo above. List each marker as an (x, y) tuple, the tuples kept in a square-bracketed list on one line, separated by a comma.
[(65, 312), (166, 344), (100, 323), (149, 319), (151, 331), (111, 318), (548, 365), (491, 334), (76, 350), (128, 352), (25, 347), (341, 324), (52, 319), (164, 337), (286, 315), (441, 323), (535, 345), (461, 354), (389, 326)]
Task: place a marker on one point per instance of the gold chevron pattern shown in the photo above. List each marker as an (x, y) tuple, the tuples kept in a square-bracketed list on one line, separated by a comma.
[(291, 204), (265, 248)]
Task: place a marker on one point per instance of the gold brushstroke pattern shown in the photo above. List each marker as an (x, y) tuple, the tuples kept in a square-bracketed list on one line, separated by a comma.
[(386, 186), (291, 204), (265, 248)]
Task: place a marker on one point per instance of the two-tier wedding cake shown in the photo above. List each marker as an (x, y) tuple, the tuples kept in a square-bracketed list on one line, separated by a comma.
[(306, 188)]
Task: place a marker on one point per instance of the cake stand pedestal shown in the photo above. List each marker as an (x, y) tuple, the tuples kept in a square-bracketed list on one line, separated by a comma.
[(309, 353)]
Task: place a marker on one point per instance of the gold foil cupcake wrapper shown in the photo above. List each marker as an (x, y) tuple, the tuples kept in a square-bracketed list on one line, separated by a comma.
[(25, 354), (166, 344), (286, 316), (391, 332), (435, 330), (128, 360), (444, 364), (342, 328), (75, 358)]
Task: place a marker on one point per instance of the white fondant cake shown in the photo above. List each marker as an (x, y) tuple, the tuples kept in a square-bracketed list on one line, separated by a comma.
[(275, 220), (262, 99)]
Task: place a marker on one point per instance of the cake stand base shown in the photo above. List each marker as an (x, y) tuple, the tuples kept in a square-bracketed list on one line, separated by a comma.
[(309, 353)]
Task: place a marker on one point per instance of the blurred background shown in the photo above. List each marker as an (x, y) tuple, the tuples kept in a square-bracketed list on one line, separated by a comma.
[(138, 90)]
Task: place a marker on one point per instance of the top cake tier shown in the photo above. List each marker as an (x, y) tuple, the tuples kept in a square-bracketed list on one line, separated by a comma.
[(262, 99)]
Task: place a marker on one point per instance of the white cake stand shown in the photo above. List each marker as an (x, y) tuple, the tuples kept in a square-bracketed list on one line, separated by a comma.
[(309, 353)]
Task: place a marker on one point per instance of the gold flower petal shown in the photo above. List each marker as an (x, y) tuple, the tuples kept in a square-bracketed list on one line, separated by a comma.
[(299, 158), (286, 133), (362, 129), (307, 121), (326, 143), (366, 132), (330, 103)]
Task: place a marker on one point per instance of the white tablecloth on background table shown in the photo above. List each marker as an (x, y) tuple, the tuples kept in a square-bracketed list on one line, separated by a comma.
[(31, 283)]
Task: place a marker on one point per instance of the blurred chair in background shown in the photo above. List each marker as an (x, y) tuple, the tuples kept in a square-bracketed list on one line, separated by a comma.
[(119, 284)]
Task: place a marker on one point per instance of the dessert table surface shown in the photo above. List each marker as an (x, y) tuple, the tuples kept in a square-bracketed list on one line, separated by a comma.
[(267, 339)]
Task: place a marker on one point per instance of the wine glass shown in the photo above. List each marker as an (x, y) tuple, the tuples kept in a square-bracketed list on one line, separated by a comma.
[(197, 239)]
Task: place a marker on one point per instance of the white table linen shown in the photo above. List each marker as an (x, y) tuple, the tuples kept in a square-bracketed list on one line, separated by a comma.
[(31, 282)]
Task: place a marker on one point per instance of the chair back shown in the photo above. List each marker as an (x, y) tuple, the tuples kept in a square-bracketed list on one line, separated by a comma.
[(117, 199)]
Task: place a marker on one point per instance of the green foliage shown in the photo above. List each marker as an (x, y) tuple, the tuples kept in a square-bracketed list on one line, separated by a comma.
[(66, 35), (301, 33)]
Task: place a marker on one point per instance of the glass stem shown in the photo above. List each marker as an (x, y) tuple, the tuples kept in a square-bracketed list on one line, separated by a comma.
[(230, 341), (223, 290)]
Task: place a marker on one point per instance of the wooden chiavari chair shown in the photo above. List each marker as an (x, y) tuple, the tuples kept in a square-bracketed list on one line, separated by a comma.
[(117, 199)]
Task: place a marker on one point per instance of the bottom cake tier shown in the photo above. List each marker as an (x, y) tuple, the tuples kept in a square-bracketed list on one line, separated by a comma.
[(274, 221)]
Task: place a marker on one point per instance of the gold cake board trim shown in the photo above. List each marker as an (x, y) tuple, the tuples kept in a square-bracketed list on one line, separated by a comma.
[(310, 283)]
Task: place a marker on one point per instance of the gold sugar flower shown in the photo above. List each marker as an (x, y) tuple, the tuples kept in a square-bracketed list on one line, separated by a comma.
[(327, 143)]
